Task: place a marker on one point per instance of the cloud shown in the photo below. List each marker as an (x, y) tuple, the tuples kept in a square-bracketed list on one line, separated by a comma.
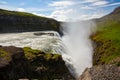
[(20, 9), (22, 4), (92, 16), (39, 14), (112, 4), (61, 15), (63, 10), (86, 7), (77, 10), (91, 0), (3, 2), (61, 3), (99, 3)]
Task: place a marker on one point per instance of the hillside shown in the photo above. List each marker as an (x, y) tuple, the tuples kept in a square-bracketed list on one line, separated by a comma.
[(106, 56), (12, 21), (107, 39)]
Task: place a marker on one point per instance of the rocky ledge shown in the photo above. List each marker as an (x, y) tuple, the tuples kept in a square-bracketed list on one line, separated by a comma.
[(101, 72), (20, 63)]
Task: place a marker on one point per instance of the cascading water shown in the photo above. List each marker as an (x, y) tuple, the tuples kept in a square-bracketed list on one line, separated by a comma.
[(47, 41), (75, 46), (79, 45)]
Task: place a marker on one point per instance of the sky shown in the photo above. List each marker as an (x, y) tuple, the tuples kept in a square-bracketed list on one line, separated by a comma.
[(63, 10)]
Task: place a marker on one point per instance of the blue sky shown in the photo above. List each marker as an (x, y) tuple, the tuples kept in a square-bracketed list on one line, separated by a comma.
[(63, 9)]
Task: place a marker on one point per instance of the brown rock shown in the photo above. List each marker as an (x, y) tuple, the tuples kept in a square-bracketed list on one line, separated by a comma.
[(101, 72)]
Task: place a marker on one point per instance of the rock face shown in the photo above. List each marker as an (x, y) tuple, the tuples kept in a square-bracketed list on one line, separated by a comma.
[(17, 63), (102, 72), (11, 21)]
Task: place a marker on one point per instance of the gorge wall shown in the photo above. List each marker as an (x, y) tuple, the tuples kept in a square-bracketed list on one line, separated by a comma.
[(11, 21)]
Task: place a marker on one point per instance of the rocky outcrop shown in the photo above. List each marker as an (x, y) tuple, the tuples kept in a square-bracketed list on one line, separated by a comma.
[(101, 72), (17, 63), (11, 22)]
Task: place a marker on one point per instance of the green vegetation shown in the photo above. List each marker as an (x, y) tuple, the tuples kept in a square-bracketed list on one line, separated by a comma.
[(5, 54), (15, 13), (17, 63), (107, 39), (32, 53)]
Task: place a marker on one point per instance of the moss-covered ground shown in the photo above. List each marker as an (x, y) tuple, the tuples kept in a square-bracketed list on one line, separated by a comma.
[(107, 40)]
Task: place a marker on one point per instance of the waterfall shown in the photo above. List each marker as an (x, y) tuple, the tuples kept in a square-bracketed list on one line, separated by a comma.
[(47, 41), (75, 46), (79, 46)]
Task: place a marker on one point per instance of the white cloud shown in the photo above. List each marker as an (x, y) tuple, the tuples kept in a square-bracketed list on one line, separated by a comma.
[(99, 3), (3, 2), (20, 9), (87, 7), (112, 4), (61, 3), (61, 15), (95, 15), (78, 12), (22, 4), (91, 0), (39, 14), (37, 9)]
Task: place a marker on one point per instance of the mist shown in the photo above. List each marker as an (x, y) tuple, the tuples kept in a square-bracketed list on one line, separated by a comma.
[(79, 46)]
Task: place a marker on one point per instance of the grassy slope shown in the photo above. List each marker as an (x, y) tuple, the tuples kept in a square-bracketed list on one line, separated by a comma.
[(107, 39), (15, 13)]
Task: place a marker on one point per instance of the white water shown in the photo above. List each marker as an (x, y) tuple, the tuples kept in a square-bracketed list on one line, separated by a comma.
[(79, 45), (75, 46), (46, 43)]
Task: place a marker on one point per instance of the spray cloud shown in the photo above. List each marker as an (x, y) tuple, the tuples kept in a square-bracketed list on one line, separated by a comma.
[(79, 45)]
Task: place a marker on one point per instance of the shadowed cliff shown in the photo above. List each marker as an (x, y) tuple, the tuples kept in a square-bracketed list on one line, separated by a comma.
[(19, 63), (12, 21)]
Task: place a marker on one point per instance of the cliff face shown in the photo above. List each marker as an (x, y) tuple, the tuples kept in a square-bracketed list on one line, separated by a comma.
[(11, 21), (17, 63), (107, 39)]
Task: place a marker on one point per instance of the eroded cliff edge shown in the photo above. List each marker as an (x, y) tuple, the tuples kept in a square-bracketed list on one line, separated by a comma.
[(106, 57), (21, 63), (12, 21)]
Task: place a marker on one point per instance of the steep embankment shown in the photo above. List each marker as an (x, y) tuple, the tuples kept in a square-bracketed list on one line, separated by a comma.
[(12, 21), (106, 57), (107, 39), (16, 63)]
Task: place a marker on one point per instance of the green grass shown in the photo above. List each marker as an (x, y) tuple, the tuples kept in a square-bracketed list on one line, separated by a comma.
[(15, 13), (32, 53), (5, 54), (109, 35)]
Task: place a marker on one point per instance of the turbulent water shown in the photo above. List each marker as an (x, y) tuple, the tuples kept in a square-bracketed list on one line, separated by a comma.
[(75, 46), (79, 45), (47, 41)]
